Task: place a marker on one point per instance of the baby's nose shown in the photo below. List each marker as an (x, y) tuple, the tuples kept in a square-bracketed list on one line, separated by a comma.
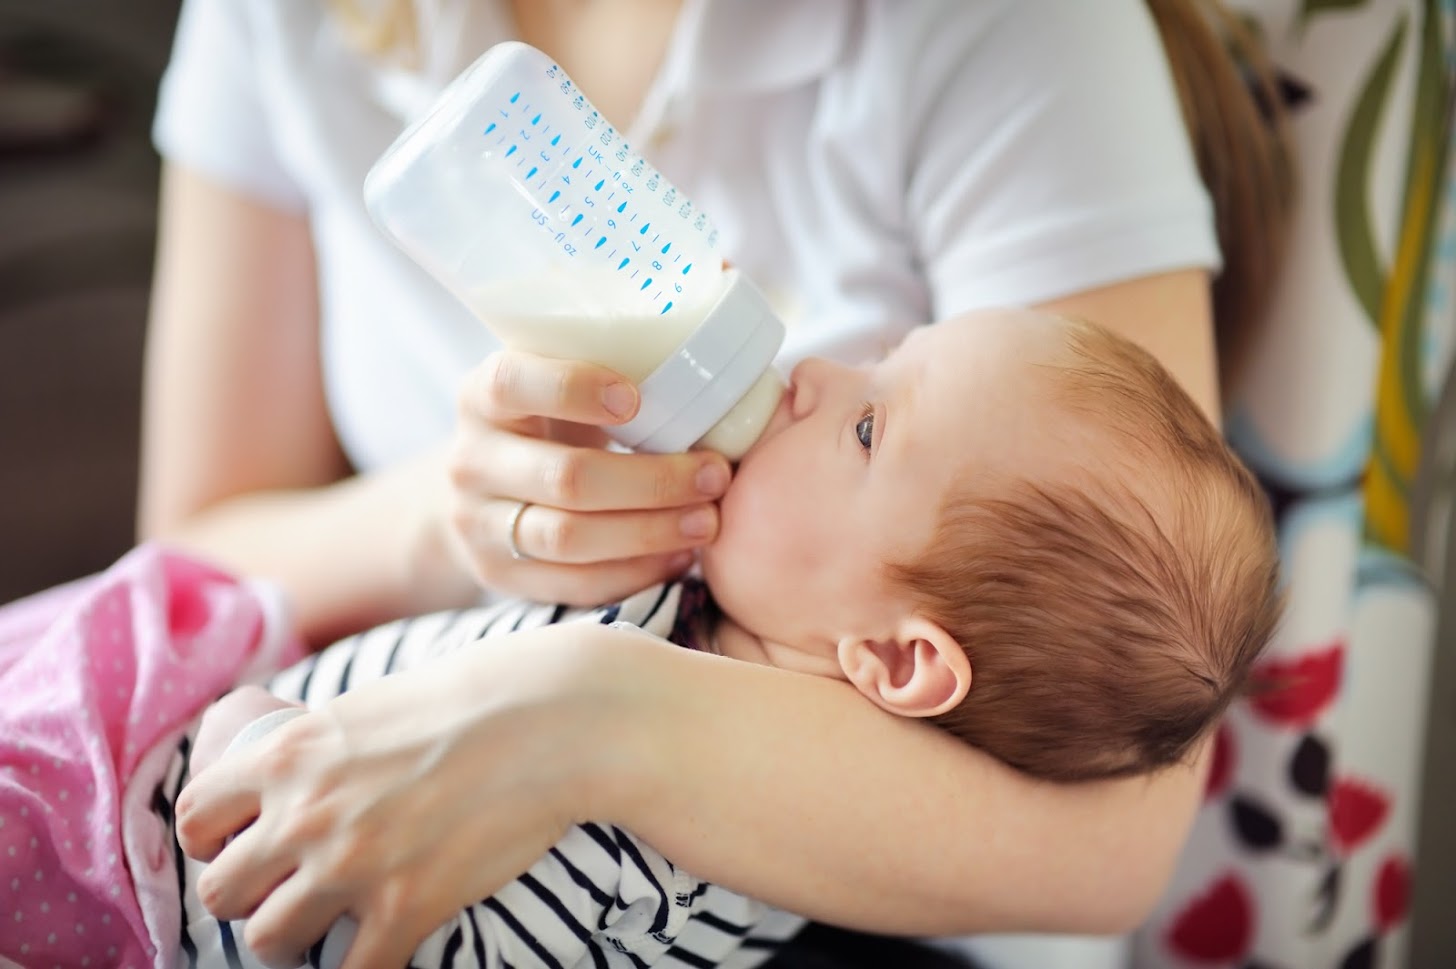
[(805, 384)]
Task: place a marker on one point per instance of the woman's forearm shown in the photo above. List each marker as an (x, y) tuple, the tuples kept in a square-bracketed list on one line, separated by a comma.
[(795, 790), (408, 798), (350, 555), (239, 458)]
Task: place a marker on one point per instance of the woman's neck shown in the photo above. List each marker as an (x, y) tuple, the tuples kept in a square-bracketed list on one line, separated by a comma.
[(587, 39)]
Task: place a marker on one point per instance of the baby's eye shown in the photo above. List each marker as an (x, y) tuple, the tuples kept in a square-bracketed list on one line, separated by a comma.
[(865, 429)]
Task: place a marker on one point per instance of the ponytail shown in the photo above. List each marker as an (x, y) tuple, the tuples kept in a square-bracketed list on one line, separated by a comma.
[(1237, 126)]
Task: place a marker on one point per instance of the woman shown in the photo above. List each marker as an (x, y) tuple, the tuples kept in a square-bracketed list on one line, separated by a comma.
[(874, 163)]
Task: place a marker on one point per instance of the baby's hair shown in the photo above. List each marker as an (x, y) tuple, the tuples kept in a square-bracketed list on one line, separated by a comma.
[(1111, 616)]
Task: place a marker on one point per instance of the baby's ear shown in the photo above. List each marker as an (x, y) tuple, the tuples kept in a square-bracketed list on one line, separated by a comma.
[(921, 672)]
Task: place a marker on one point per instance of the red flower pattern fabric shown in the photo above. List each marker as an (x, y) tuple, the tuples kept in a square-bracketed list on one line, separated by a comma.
[(1294, 693), (1356, 811), (1302, 855), (1217, 926)]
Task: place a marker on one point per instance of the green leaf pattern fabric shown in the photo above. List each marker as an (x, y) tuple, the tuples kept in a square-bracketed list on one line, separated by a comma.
[(1303, 853)]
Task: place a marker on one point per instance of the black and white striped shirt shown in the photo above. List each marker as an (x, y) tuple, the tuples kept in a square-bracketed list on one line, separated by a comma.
[(600, 898)]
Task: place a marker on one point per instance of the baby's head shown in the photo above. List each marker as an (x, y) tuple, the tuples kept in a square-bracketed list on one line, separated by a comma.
[(1016, 525)]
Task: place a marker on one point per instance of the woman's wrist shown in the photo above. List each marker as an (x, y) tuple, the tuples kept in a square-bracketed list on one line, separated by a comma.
[(585, 700), (434, 574), (640, 760), (618, 723), (631, 728)]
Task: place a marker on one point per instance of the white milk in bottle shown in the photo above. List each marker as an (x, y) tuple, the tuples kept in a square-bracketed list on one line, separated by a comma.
[(517, 195)]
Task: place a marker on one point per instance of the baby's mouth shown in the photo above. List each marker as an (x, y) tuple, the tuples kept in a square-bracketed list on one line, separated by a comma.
[(781, 418)]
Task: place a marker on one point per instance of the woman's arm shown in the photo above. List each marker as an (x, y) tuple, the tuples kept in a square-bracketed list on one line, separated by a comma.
[(787, 788), (240, 461), (1170, 315), (239, 458), (797, 792), (414, 796)]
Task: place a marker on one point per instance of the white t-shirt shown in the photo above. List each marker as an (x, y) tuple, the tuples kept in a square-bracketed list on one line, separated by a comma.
[(872, 164)]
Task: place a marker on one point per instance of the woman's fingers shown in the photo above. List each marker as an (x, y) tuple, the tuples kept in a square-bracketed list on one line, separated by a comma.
[(403, 800), (510, 386), (539, 509), (246, 871), (291, 920), (214, 806), (379, 945), (589, 585), (558, 537), (585, 479), (583, 557)]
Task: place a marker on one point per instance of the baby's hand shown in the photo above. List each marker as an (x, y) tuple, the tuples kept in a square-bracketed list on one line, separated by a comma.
[(224, 719)]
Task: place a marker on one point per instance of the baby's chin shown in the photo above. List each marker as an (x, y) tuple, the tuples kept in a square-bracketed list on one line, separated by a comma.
[(730, 519), (709, 558), (718, 562)]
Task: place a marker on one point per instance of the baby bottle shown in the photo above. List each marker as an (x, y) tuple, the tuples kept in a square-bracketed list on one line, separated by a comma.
[(519, 197)]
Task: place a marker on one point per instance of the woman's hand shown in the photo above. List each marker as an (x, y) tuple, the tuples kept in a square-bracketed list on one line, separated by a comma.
[(408, 797), (597, 525)]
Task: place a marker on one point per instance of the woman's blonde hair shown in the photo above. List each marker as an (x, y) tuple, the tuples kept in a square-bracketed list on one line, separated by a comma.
[(385, 29)]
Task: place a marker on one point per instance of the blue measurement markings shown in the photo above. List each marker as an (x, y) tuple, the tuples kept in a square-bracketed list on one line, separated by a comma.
[(604, 190)]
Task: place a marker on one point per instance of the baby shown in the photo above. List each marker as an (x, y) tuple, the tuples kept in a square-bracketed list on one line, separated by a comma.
[(1016, 526)]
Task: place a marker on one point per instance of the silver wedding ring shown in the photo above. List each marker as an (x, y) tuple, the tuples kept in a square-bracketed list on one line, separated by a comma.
[(512, 527)]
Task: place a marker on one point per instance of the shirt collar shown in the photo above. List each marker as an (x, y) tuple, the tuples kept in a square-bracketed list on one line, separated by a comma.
[(745, 46), (719, 47)]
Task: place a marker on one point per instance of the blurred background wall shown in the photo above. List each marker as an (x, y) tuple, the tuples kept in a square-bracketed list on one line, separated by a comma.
[(77, 217)]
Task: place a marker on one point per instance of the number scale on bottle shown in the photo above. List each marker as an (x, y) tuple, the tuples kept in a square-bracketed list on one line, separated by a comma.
[(597, 198)]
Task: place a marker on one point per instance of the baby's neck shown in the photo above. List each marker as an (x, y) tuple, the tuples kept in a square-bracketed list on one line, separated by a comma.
[(727, 638)]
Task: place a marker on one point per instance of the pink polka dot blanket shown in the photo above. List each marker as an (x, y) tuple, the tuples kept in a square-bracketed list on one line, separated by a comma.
[(98, 681)]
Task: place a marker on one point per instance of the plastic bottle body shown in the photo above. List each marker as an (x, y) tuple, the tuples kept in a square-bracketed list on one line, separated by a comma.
[(517, 195), (542, 314)]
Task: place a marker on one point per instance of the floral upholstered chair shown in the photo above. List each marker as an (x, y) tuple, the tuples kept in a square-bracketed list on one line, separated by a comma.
[(1303, 854)]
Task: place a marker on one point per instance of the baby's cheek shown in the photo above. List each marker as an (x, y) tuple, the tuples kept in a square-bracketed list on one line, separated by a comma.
[(740, 507), (744, 554)]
